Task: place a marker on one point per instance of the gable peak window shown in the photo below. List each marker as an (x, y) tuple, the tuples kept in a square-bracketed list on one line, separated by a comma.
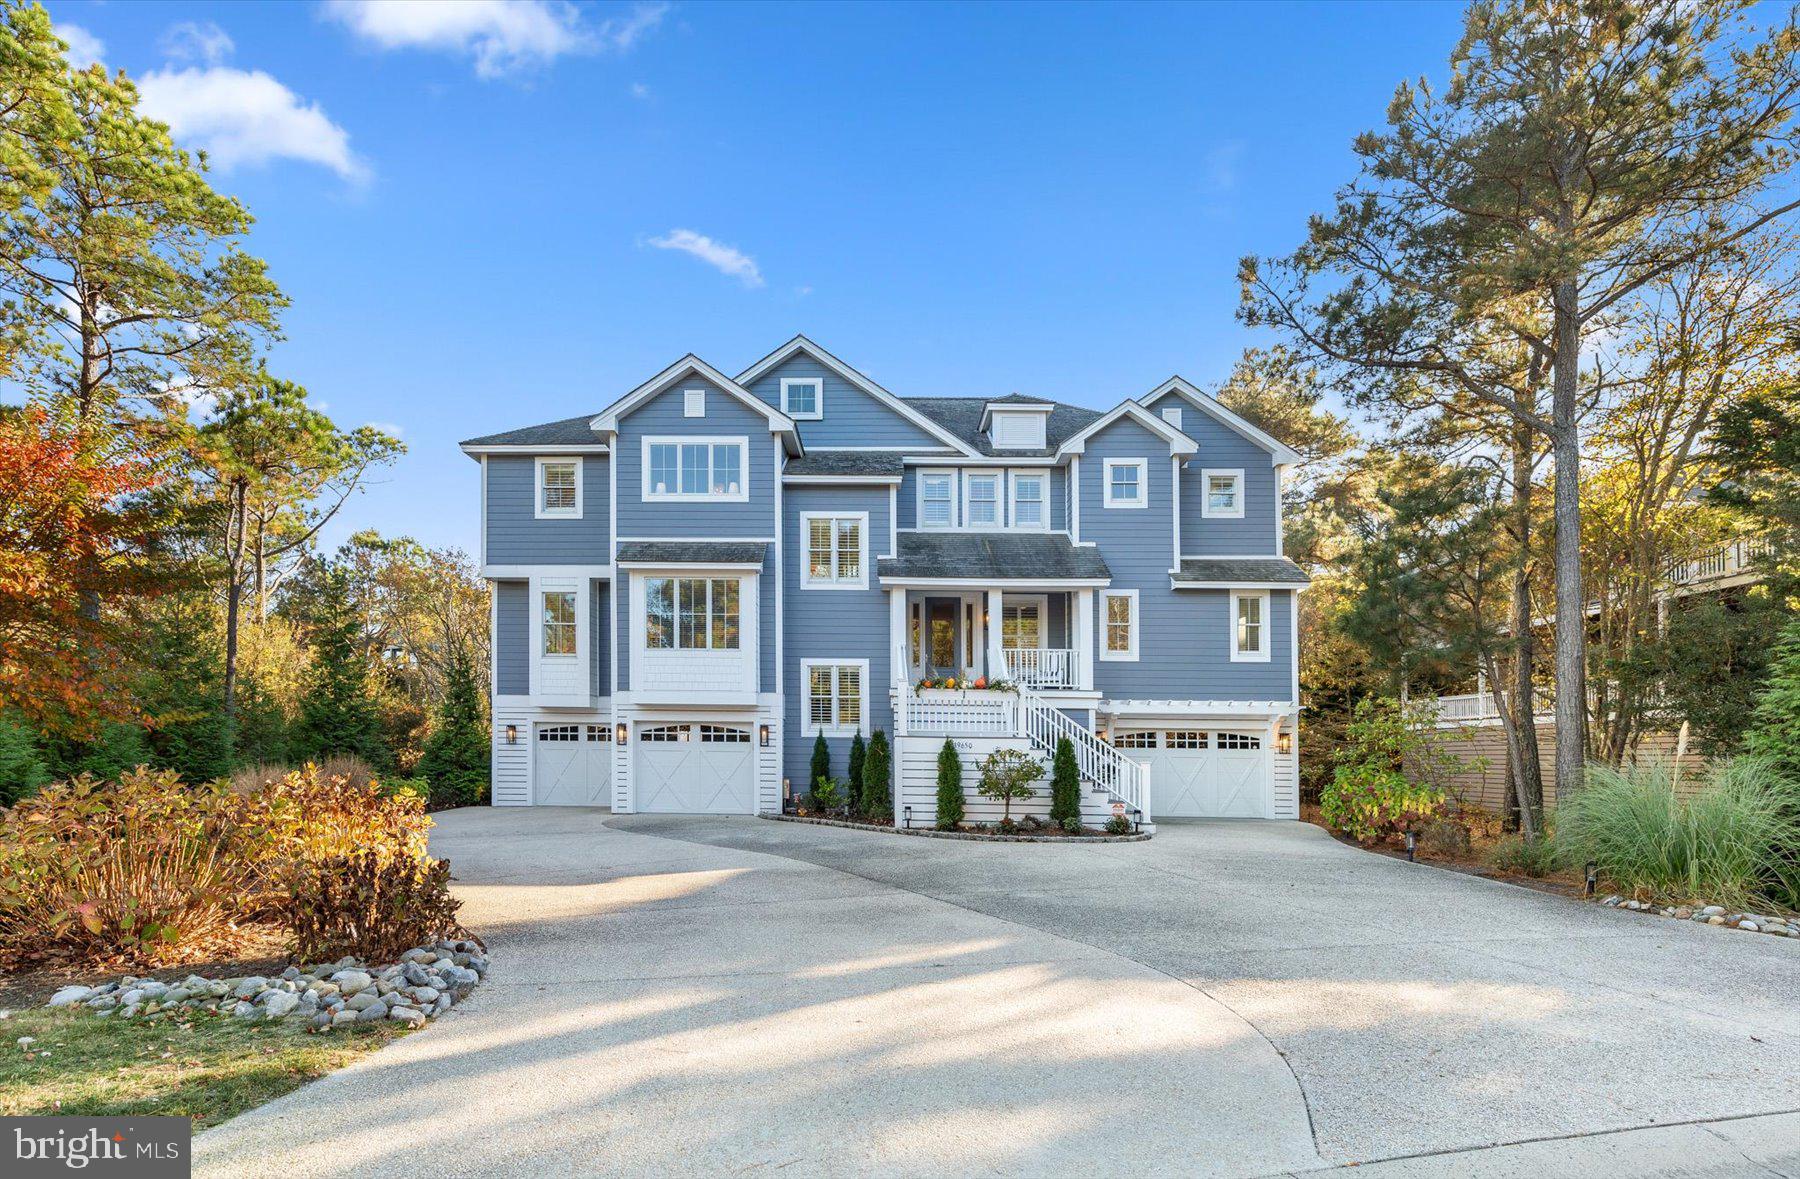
[(1126, 483), (558, 489), (1224, 494), (803, 397), (836, 552), (695, 469), (1172, 415), (1250, 626), (693, 403)]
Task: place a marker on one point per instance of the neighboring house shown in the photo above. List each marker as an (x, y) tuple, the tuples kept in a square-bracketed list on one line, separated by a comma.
[(694, 582)]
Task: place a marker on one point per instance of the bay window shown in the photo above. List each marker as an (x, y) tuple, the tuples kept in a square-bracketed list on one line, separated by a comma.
[(691, 613)]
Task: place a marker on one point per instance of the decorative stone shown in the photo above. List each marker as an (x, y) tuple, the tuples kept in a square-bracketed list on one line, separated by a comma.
[(250, 986), (69, 995), (351, 981), (291, 973), (343, 1017), (1714, 910), (1752, 926), (278, 1003), (407, 1015), (374, 1014), (362, 1000)]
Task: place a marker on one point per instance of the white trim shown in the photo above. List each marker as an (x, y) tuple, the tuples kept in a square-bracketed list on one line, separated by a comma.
[(807, 727), (802, 344), (807, 581), (1172, 415), (1265, 633), (693, 403), (893, 521), (607, 420), (1213, 409), (691, 568), (919, 499), (1106, 489), (612, 603), (1033, 421), (1179, 443), (476, 452), (1128, 656), (1294, 587), (844, 480), (517, 572), (482, 459), (1074, 520), (741, 441), (700, 539), (1175, 509), (780, 571), (999, 521), (1294, 650), (986, 582), (988, 460), (1012, 500), (538, 510), (818, 388), (1207, 511)]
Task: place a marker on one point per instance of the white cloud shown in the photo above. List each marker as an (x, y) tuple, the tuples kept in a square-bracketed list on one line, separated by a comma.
[(503, 36), (245, 117), (639, 90), (197, 40), (85, 49), (388, 428), (721, 257)]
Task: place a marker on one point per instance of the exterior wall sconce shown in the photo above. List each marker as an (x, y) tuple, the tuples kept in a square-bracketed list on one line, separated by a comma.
[(512, 734), (622, 733), (1284, 742), (763, 736)]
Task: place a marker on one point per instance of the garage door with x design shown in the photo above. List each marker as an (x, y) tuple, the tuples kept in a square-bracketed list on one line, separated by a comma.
[(1201, 773), (695, 769), (569, 765)]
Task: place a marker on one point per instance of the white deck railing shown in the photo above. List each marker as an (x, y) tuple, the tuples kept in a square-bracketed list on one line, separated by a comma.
[(973, 713), (1041, 667), (1728, 560)]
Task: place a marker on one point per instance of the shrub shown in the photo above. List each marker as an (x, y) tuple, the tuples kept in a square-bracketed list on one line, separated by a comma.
[(1369, 803), (1118, 825), (1065, 784), (395, 786), (455, 759), (1007, 774), (1528, 857), (821, 761), (1719, 845), (1445, 837), (1072, 826), (22, 769), (828, 794), (858, 754), (1774, 734), (877, 801), (147, 870), (371, 906), (317, 816), (950, 801)]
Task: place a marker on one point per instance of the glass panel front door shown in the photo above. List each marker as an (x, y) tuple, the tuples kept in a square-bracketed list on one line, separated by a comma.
[(941, 622)]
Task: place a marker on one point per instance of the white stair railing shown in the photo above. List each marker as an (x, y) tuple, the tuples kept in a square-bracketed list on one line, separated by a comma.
[(1126, 780)]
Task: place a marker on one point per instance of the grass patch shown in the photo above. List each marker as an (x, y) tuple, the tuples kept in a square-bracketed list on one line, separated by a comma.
[(208, 1068)]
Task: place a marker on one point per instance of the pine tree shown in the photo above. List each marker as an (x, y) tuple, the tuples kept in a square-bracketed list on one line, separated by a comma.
[(858, 751), (455, 760), (1775, 725), (22, 768), (337, 712), (877, 802), (950, 800), (821, 762), (1065, 785)]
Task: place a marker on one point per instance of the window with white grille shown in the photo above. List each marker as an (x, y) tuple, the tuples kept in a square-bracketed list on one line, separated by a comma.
[(836, 550), (836, 703), (1142, 740), (559, 622), (1238, 741), (558, 489), (691, 613)]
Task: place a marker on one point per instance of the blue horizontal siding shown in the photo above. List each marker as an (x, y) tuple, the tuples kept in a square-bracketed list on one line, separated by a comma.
[(512, 638), (725, 415), (851, 416), (515, 536), (1221, 446)]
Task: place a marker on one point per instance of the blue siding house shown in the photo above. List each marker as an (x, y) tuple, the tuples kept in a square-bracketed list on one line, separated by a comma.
[(696, 581)]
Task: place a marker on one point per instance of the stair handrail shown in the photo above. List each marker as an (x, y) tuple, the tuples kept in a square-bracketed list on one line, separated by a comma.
[(1100, 763)]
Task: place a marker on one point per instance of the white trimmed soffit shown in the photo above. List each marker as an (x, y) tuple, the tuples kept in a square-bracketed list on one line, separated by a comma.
[(607, 420), (801, 344), (1296, 587), (1283, 455), (1179, 443), (865, 480), (547, 449), (1214, 709)]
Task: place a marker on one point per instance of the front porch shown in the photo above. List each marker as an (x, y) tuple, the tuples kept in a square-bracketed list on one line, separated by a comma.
[(1041, 639)]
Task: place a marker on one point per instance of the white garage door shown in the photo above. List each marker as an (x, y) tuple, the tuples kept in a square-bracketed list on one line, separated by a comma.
[(1203, 773), (569, 766), (695, 769)]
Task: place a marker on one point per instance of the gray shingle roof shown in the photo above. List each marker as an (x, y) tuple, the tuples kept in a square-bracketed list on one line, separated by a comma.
[(980, 556), (1018, 399), (863, 463), (692, 552), (568, 432), (962, 417), (1241, 571)]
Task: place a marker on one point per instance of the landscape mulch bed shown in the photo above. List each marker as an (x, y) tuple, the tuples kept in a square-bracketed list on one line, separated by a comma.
[(1473, 863), (1023, 835)]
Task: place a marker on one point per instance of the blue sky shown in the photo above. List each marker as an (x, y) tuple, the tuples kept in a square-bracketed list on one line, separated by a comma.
[(478, 209)]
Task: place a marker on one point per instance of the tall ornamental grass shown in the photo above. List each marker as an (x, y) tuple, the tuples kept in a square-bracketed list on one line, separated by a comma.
[(1731, 843)]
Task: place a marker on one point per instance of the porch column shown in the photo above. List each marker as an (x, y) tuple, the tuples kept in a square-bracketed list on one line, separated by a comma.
[(899, 653), (996, 656), (1084, 640)]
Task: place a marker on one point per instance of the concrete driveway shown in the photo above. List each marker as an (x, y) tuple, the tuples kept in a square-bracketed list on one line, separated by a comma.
[(736, 996)]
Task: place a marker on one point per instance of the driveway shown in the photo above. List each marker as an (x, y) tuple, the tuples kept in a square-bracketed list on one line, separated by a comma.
[(737, 996)]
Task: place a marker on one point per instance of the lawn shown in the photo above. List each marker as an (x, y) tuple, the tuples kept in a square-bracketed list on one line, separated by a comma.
[(208, 1068)]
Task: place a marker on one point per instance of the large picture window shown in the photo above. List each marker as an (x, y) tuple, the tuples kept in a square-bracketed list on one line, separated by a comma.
[(559, 622), (694, 469), (836, 556), (835, 700), (691, 613)]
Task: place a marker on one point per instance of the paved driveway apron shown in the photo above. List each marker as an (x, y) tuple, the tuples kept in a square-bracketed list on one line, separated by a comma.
[(685, 995)]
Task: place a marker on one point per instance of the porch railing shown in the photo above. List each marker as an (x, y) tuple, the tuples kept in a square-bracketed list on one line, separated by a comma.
[(984, 714), (1728, 560), (1041, 667)]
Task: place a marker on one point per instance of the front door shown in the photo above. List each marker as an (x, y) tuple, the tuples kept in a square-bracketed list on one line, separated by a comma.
[(942, 638)]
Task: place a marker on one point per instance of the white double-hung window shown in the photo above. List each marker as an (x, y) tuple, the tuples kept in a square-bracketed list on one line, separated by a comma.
[(695, 469), (937, 499), (837, 555), (1249, 626), (1224, 494), (558, 489), (1030, 499), (691, 613), (1119, 625), (836, 703), (1125, 483), (981, 503), (559, 622)]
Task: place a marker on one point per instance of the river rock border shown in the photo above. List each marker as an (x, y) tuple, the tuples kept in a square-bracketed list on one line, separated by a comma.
[(974, 836), (425, 983), (1712, 915)]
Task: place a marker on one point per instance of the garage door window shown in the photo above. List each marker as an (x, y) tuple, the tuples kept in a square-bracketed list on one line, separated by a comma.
[(724, 735), (1184, 739), (1239, 741), (599, 733), (1145, 740), (663, 734), (559, 733)]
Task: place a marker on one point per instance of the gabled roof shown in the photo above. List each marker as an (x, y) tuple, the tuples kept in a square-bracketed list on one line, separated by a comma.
[(962, 416), (1179, 443), (1284, 454), (607, 420), (1018, 403), (568, 432), (801, 344)]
